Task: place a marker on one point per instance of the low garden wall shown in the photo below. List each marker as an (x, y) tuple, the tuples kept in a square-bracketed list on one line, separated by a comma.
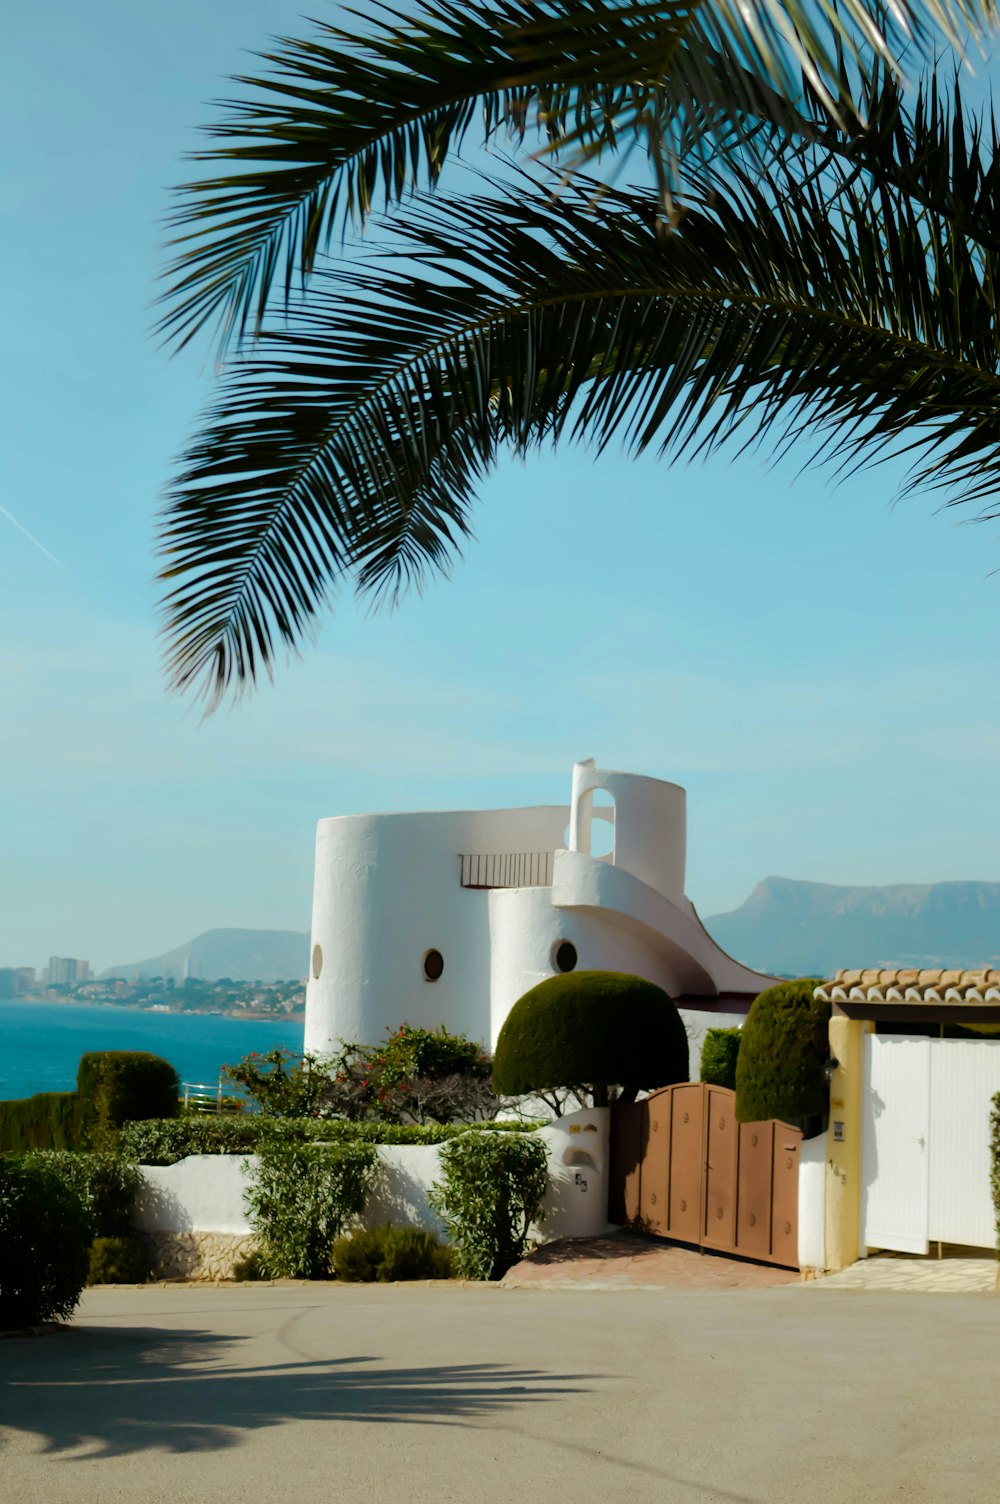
[(193, 1218)]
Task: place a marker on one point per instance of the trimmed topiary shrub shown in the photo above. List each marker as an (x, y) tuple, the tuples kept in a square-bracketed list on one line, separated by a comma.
[(719, 1051), (298, 1201), (123, 1086), (591, 1032), (491, 1190), (45, 1237), (49, 1120), (784, 1048), (118, 1261), (107, 1184), (390, 1253)]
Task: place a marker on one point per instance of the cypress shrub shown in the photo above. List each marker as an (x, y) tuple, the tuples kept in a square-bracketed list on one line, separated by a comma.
[(592, 1029), (123, 1086), (45, 1237), (719, 1051), (49, 1120), (785, 1045)]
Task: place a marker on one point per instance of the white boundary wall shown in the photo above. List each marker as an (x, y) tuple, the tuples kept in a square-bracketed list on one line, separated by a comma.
[(204, 1193)]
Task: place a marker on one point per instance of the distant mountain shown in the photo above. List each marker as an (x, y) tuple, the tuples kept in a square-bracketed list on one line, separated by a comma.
[(813, 929), (243, 955)]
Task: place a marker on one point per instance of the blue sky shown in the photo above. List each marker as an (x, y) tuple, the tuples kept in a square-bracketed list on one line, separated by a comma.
[(817, 666)]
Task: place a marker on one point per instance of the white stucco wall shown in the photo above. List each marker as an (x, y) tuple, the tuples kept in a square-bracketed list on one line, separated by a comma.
[(812, 1203), (204, 1193), (387, 889)]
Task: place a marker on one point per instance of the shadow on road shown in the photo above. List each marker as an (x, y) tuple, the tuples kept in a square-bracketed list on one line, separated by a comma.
[(105, 1391)]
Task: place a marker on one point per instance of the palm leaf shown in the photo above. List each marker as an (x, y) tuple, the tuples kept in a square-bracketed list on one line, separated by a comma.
[(349, 117), (349, 444)]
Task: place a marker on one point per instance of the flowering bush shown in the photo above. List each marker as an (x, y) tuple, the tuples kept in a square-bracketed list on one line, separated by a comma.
[(281, 1082), (414, 1076)]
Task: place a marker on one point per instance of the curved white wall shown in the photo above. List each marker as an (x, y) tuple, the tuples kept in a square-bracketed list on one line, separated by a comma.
[(387, 889)]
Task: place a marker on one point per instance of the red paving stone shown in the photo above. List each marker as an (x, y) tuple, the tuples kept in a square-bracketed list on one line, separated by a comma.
[(622, 1260)]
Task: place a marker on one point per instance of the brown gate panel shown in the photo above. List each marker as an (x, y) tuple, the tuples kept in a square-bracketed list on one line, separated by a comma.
[(685, 1108), (655, 1178), (753, 1192), (785, 1193), (628, 1145), (682, 1167), (721, 1160)]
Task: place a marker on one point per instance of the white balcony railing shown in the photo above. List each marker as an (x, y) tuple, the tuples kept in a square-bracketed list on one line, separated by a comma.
[(507, 869)]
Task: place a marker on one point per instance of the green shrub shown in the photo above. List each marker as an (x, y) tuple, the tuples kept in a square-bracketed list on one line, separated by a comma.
[(45, 1237), (49, 1120), (107, 1184), (390, 1253), (490, 1192), (719, 1050), (783, 1051), (248, 1268), (118, 1261), (298, 1200), (123, 1086), (165, 1143), (591, 1031)]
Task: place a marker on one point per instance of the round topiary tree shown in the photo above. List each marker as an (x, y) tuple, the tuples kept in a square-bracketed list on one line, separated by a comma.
[(783, 1050), (591, 1032), (45, 1237)]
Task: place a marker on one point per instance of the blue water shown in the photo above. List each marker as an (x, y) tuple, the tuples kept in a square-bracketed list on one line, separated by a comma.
[(41, 1043)]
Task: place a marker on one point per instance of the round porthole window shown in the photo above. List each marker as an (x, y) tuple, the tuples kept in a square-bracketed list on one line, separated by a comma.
[(317, 960), (433, 965), (565, 955)]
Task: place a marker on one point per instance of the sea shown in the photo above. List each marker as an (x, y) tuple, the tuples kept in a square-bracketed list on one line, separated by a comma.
[(41, 1043)]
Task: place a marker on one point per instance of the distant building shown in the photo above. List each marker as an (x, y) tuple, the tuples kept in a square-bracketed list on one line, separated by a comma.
[(447, 918), (62, 971), (16, 981)]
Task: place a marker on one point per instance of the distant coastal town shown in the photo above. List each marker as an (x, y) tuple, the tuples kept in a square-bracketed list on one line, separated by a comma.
[(69, 980)]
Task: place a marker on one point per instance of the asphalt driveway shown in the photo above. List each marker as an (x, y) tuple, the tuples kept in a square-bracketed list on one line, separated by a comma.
[(791, 1395)]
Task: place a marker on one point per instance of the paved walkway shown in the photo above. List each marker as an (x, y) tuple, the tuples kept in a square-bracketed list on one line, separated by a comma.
[(623, 1260), (795, 1395), (901, 1271)]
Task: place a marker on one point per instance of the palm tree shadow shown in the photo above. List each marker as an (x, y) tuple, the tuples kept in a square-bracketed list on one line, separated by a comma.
[(109, 1392)]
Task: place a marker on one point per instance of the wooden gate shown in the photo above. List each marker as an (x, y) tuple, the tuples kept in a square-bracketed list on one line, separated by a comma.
[(683, 1167)]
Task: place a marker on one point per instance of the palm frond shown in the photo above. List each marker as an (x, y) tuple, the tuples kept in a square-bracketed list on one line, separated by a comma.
[(350, 443), (351, 117)]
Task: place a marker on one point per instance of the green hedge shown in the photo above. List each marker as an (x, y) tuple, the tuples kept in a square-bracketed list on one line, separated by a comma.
[(112, 1087), (50, 1120), (784, 1048), (123, 1086), (164, 1143), (595, 1029), (719, 1051)]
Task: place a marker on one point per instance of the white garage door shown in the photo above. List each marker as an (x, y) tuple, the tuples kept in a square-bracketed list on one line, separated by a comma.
[(926, 1142)]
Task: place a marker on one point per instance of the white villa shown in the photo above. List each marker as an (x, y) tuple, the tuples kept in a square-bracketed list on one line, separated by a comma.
[(449, 917)]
